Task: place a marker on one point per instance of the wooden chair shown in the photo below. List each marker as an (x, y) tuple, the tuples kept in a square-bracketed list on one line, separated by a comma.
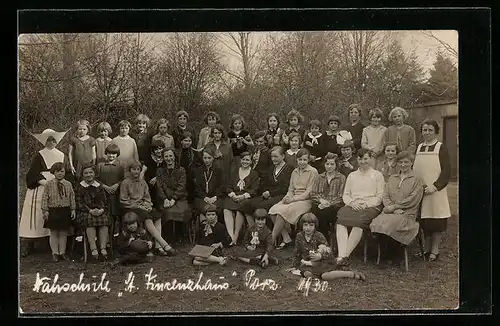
[(110, 247), (186, 222), (419, 238)]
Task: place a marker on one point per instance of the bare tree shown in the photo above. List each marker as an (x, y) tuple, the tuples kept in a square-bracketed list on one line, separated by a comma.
[(452, 51)]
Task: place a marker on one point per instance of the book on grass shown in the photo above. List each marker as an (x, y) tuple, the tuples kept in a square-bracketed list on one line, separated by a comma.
[(201, 251)]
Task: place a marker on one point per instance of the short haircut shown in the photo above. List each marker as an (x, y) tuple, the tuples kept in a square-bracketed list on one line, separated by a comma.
[(58, 166), (211, 114), (347, 143), (309, 218), (143, 118), (155, 144), (112, 149), (210, 208), (260, 214), (392, 143), (130, 217), (405, 154), (295, 134), (362, 151), (220, 128), (334, 118), (375, 113), (260, 134), (182, 113), (272, 114), (315, 122), (296, 114), (330, 156), (280, 149), (400, 110), (134, 165), (186, 134), (430, 122), (124, 123), (83, 122), (88, 165), (166, 149), (104, 126), (209, 151), (246, 153), (161, 122), (353, 106), (302, 152), (236, 117)]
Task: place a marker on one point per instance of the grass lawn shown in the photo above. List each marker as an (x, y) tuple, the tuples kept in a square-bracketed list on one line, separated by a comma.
[(425, 286)]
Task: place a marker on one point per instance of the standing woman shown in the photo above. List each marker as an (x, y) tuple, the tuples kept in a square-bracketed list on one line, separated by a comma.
[(362, 197), (355, 125), (331, 133), (273, 186), (211, 119), (31, 224), (222, 149), (171, 183), (273, 132), (239, 137), (151, 164), (432, 164), (190, 160), (297, 201), (400, 133), (373, 135), (242, 185)]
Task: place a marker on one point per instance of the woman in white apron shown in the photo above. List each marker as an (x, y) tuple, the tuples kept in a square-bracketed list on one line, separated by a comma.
[(31, 224), (432, 165)]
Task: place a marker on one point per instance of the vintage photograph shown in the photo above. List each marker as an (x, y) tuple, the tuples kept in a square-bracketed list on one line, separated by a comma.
[(211, 172)]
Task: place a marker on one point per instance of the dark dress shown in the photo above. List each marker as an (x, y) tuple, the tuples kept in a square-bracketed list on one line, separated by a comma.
[(214, 234), (190, 160), (143, 142), (238, 147), (346, 170), (250, 186), (110, 174), (356, 133), (331, 145), (261, 240), (171, 184), (264, 163), (300, 130), (152, 165), (89, 197), (303, 249), (223, 159), (208, 183), (318, 149), (131, 253), (276, 182), (177, 135)]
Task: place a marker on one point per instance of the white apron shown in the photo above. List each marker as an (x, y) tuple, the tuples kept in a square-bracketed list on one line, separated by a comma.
[(31, 225), (427, 167)]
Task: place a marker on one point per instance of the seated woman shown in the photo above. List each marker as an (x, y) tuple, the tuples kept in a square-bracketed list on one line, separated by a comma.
[(297, 201), (273, 186), (222, 148), (327, 194), (135, 197), (242, 185), (148, 173), (171, 183), (347, 162), (208, 184), (362, 198), (402, 196)]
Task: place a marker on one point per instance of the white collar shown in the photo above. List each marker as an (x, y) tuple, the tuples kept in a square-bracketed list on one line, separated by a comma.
[(290, 152), (103, 139), (121, 137), (84, 184)]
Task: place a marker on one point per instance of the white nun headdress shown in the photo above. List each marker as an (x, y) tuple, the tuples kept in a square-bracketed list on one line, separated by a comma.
[(42, 138)]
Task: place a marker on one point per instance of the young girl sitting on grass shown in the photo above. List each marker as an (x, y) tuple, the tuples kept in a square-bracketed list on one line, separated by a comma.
[(214, 234), (313, 257), (134, 243), (258, 242), (58, 207)]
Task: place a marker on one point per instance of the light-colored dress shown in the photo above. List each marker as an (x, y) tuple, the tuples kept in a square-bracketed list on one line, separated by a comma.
[(128, 149), (204, 137), (406, 194), (100, 148), (301, 185), (427, 166), (31, 224), (373, 139)]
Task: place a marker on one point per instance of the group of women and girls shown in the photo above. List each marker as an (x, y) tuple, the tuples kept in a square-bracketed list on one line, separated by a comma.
[(360, 178)]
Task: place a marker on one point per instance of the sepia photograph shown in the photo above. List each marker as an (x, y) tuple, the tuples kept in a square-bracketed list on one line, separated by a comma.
[(244, 171)]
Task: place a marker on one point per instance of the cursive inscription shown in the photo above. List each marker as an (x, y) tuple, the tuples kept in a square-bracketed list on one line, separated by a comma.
[(49, 285), (255, 283)]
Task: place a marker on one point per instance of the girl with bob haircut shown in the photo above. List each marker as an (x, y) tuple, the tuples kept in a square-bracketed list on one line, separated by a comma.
[(388, 164), (81, 148), (355, 126), (238, 136), (273, 132), (211, 118), (432, 165), (333, 128), (128, 147), (400, 133), (294, 120), (314, 141), (142, 136), (221, 148), (373, 135), (102, 141), (297, 201)]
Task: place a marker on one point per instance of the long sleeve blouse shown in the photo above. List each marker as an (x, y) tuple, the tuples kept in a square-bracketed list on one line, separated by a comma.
[(223, 159), (356, 133), (373, 138), (263, 238), (58, 194), (208, 182), (128, 148), (331, 191), (214, 234), (171, 183), (403, 136), (405, 193), (303, 247), (134, 192), (302, 183), (90, 196), (367, 187), (277, 182)]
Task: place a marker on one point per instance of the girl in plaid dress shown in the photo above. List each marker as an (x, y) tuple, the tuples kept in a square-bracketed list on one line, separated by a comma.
[(92, 211)]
